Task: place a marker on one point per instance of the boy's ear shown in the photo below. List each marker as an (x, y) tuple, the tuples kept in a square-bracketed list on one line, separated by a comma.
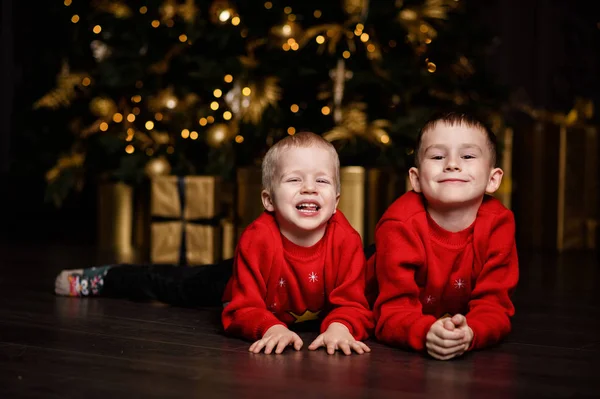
[(267, 201), (337, 201), (413, 174), (495, 180)]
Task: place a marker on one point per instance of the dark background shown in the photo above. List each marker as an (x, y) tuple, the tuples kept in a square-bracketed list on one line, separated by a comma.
[(547, 51)]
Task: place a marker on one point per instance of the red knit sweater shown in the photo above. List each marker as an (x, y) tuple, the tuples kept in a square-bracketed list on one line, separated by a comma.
[(277, 282), (424, 272)]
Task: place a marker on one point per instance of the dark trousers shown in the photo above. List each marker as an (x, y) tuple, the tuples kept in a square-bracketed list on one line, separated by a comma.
[(176, 285)]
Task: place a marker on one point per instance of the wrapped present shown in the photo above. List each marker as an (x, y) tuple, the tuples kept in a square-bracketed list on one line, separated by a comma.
[(185, 220), (352, 200), (115, 215)]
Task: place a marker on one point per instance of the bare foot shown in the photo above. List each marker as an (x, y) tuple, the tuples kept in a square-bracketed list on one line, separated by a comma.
[(62, 285)]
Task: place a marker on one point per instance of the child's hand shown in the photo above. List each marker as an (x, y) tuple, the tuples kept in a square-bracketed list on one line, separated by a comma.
[(337, 336), (460, 323), (445, 340), (278, 337)]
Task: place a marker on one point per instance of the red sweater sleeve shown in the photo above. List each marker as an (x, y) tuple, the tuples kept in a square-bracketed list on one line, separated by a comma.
[(490, 307), (398, 311), (347, 294), (247, 315)]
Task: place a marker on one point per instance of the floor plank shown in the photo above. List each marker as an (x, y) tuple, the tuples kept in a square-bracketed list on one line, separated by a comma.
[(54, 347)]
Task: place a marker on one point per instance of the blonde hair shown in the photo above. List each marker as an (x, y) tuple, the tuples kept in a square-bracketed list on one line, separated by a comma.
[(300, 140)]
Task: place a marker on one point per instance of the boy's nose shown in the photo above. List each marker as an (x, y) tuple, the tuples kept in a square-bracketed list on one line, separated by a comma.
[(452, 166), (308, 187)]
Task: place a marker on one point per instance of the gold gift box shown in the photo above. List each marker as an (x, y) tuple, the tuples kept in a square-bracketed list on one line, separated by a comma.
[(196, 222)]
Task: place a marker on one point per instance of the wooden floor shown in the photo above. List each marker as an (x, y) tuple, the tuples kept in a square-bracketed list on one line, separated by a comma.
[(53, 347)]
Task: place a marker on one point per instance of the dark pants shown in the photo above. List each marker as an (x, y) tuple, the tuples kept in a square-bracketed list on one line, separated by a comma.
[(176, 285)]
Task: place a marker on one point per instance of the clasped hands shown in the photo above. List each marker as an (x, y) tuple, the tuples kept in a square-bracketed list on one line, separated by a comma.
[(449, 337)]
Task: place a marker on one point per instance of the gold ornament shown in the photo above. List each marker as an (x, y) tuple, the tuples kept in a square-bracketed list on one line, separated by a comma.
[(103, 107), (355, 124), (219, 133), (221, 11), (65, 92), (249, 107), (157, 167)]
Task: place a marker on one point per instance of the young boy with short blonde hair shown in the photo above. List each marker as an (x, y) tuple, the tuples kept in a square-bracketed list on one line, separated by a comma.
[(301, 259)]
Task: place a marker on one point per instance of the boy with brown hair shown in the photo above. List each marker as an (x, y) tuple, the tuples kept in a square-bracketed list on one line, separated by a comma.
[(446, 259)]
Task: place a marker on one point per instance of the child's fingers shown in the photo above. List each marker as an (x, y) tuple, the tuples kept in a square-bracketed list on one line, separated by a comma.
[(448, 324), (344, 346), (253, 346), (359, 347), (283, 343), (298, 343), (317, 343), (442, 352), (439, 356), (257, 346), (459, 320), (363, 346), (453, 335), (331, 346), (270, 344), (440, 342)]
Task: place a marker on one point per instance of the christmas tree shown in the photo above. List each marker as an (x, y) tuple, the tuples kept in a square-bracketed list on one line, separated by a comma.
[(204, 87)]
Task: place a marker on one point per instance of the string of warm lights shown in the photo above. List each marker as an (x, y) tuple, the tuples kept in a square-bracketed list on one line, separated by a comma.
[(141, 118), (224, 12)]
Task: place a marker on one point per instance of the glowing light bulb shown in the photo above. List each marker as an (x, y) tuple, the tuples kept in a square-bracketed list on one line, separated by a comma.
[(224, 15)]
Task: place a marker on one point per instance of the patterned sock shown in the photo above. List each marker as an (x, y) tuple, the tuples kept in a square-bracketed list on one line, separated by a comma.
[(88, 283)]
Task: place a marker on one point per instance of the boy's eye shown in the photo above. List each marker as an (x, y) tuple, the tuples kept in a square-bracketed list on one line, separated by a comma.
[(293, 179), (437, 157), (323, 181), (468, 156)]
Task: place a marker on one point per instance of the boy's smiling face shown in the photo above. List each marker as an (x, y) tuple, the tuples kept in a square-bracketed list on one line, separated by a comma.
[(455, 166), (303, 194)]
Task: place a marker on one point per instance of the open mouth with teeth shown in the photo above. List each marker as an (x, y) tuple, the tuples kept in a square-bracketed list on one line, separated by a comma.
[(308, 207)]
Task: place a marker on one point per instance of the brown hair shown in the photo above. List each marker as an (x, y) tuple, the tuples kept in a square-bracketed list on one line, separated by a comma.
[(299, 140), (453, 119)]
